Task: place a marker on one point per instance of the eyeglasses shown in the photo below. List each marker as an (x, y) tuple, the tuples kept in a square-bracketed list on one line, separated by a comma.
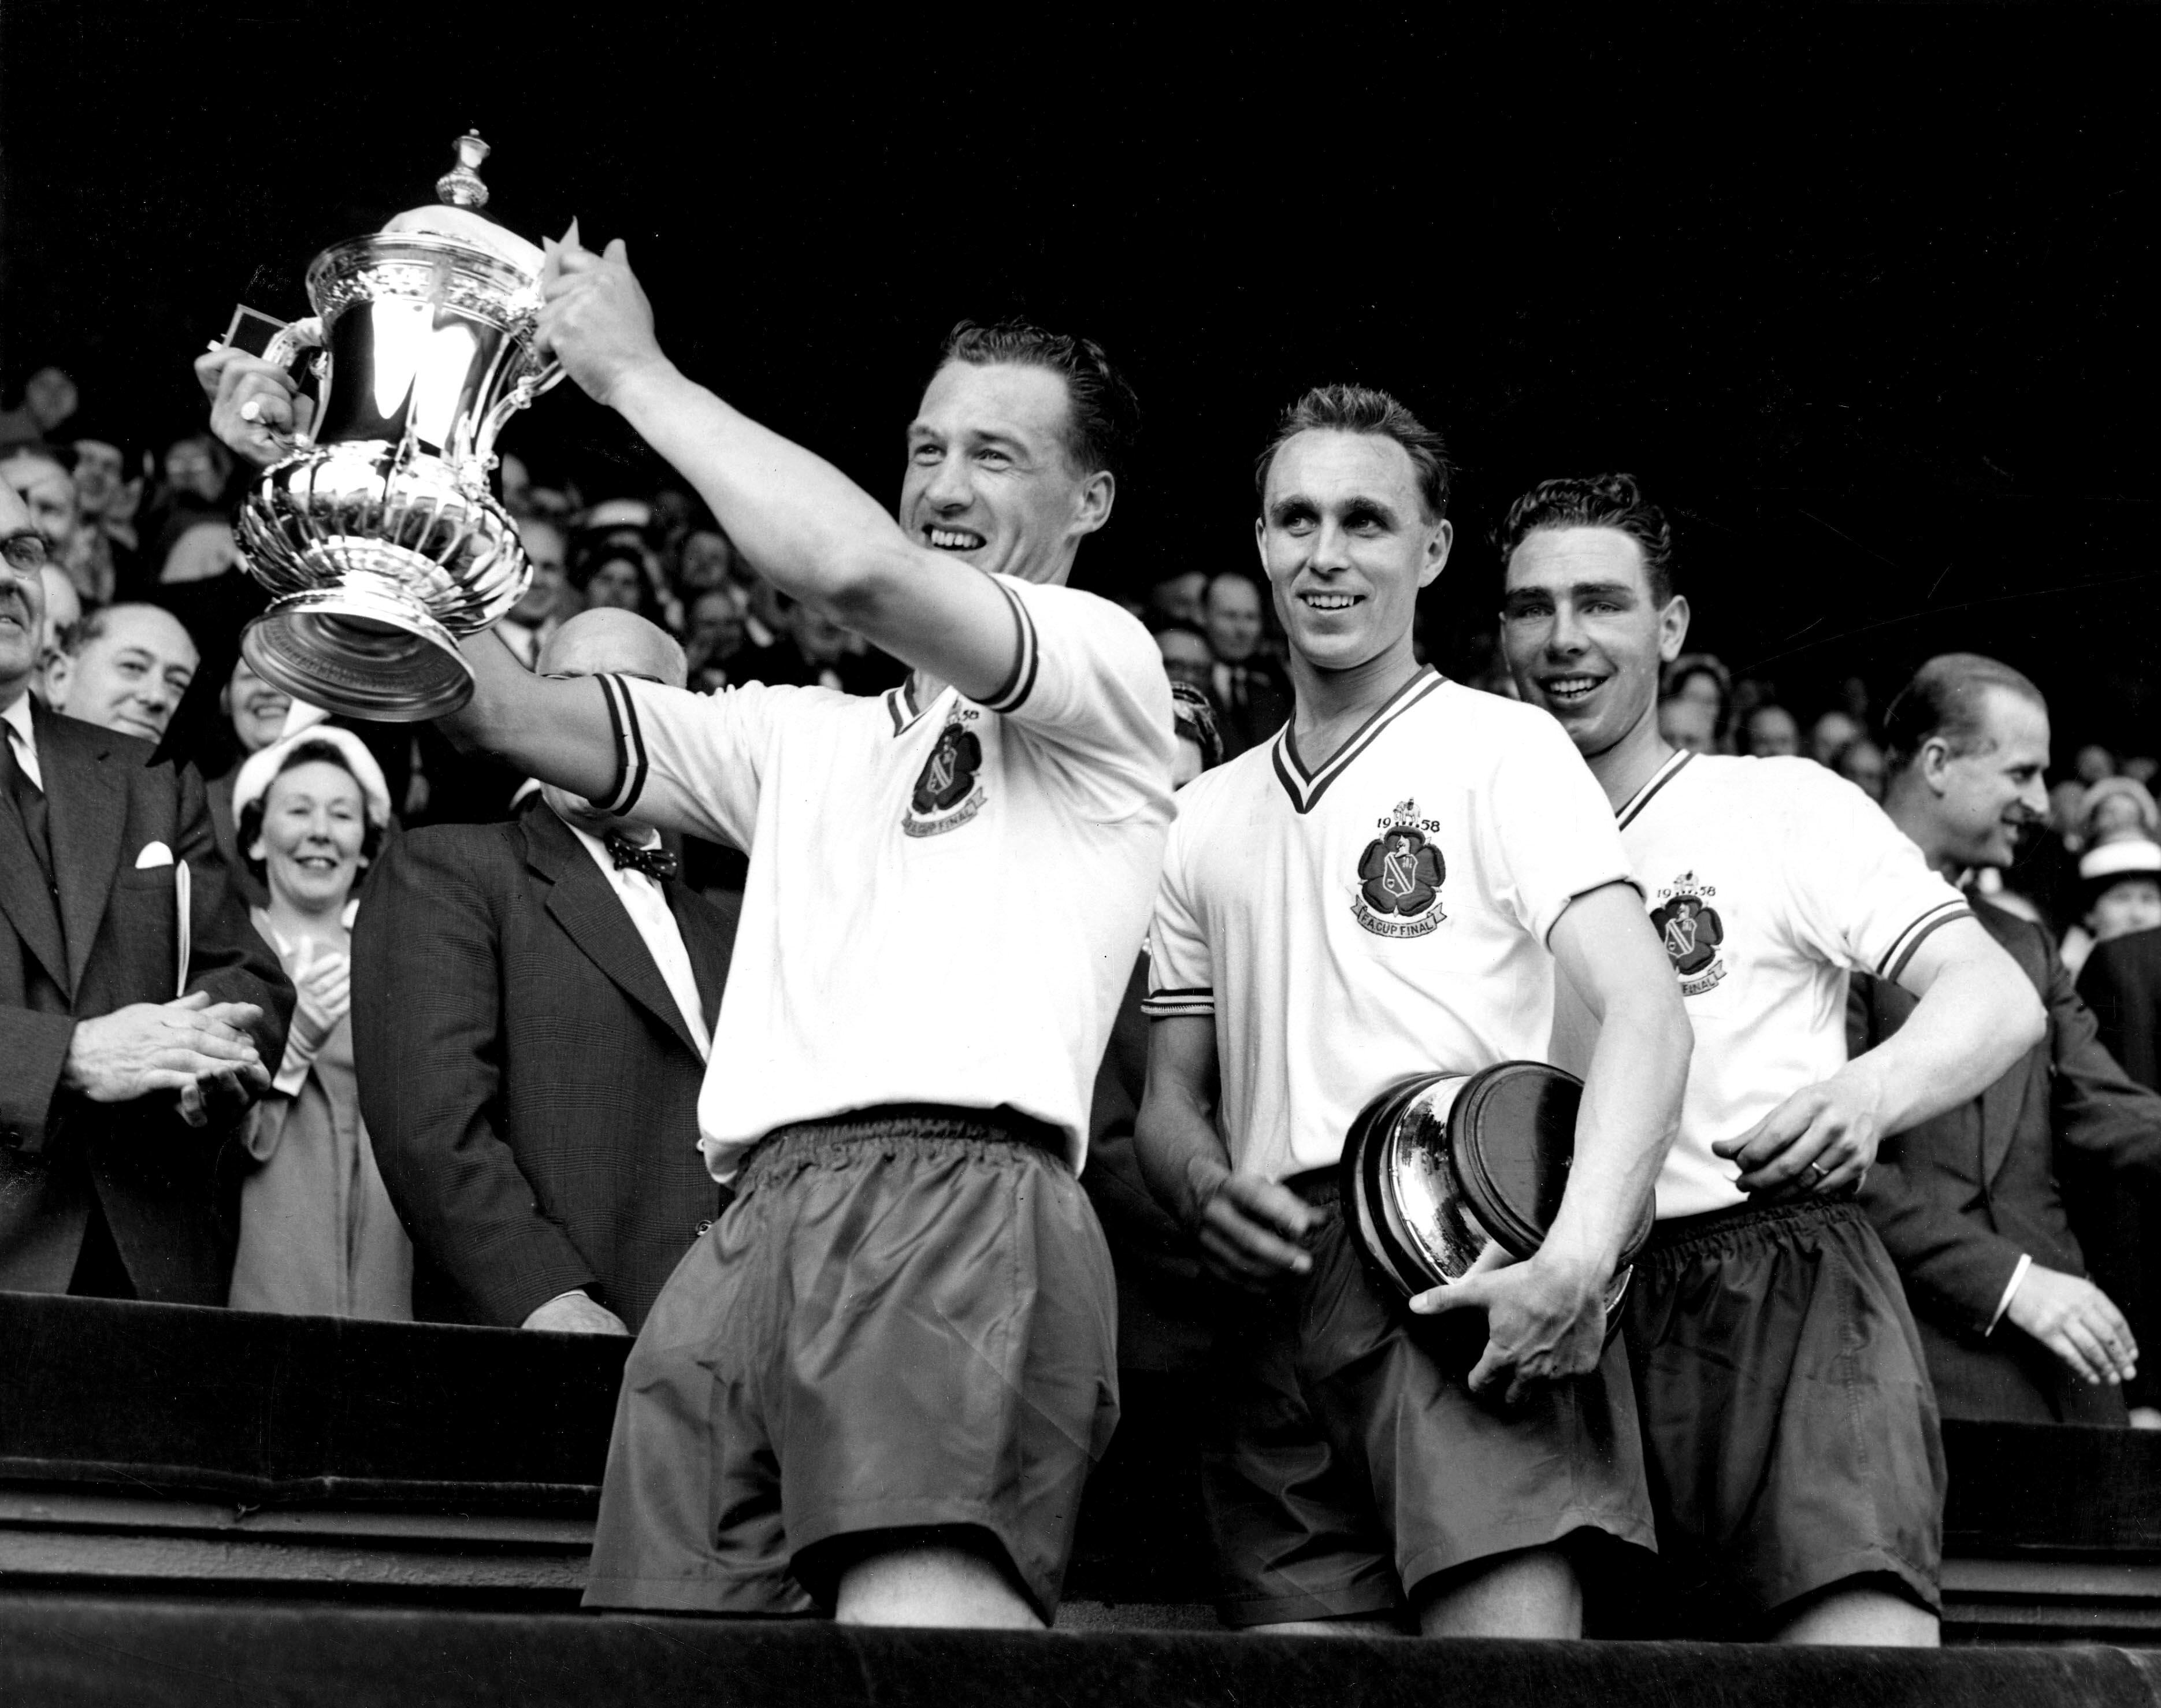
[(24, 551)]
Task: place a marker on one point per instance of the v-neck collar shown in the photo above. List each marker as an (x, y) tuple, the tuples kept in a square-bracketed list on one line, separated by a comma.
[(1305, 788), (900, 705), (1629, 809)]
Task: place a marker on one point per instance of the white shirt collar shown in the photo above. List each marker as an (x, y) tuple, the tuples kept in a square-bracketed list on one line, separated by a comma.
[(19, 714), (18, 717)]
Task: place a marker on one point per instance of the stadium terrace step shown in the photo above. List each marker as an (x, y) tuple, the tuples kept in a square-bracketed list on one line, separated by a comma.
[(162, 1450)]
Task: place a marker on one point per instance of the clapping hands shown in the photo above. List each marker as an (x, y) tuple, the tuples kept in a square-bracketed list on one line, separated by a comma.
[(194, 1047), (322, 988)]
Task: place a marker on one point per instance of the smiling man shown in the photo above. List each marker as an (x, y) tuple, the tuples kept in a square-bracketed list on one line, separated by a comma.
[(1353, 1473), (877, 1385), (1793, 1438), (124, 668), (115, 1094)]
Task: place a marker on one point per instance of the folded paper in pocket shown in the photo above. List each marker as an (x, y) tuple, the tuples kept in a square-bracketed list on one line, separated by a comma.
[(153, 854)]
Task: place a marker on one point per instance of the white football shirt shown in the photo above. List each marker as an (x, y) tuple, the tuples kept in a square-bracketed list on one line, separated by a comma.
[(1383, 916), (945, 901), (1768, 880)]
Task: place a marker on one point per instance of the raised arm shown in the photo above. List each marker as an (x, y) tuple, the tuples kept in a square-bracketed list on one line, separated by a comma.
[(1545, 1318), (806, 527)]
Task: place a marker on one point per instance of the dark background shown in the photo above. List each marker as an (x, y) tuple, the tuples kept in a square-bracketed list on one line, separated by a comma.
[(1864, 295)]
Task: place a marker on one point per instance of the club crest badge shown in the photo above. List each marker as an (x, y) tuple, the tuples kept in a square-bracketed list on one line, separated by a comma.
[(1400, 875), (1691, 931), (948, 792)]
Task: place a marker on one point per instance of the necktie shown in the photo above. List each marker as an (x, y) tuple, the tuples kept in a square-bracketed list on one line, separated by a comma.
[(29, 802), (656, 863)]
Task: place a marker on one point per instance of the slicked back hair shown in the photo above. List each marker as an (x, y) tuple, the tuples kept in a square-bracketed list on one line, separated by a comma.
[(1103, 420), (1948, 699), (1602, 501), (1363, 410), (96, 621)]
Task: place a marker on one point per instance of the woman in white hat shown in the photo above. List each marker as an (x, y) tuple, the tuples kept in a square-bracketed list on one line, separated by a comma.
[(2120, 888), (318, 1236)]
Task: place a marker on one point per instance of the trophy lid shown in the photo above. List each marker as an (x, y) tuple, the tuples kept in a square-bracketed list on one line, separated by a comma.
[(461, 196)]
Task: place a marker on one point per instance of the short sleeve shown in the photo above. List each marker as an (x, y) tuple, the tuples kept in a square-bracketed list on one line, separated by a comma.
[(1087, 678), (1181, 973), (1862, 894), (1551, 828), (692, 762)]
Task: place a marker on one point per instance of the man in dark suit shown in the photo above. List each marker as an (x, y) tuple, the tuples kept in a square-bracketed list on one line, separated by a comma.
[(531, 1015), (2121, 1231), (1253, 698), (1969, 1204), (139, 1008)]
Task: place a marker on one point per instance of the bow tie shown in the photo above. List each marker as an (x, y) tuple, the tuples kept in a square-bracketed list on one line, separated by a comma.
[(656, 863)]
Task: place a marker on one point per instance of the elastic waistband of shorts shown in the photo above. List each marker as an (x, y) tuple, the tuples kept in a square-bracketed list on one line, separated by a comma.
[(1746, 1221), (885, 1123)]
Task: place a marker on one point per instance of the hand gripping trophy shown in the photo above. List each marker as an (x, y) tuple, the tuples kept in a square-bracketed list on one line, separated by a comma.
[(378, 534)]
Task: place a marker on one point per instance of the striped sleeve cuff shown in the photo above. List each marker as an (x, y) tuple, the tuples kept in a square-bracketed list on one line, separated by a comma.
[(1166, 1004), (1915, 935), (631, 762), (1014, 692)]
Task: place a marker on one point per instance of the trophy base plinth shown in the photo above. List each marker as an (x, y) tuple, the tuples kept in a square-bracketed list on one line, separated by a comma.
[(361, 652)]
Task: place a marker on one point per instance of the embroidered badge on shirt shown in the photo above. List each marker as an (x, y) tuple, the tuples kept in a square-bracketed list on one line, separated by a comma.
[(1690, 928), (948, 792), (1399, 877)]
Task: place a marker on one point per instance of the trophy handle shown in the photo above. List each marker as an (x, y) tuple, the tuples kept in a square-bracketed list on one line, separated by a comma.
[(286, 345), (290, 342), (527, 387)]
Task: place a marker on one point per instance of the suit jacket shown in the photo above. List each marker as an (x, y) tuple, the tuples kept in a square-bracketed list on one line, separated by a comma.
[(2121, 983), (227, 835), (1266, 709), (526, 1076), (2120, 1230), (1958, 1199), (113, 939)]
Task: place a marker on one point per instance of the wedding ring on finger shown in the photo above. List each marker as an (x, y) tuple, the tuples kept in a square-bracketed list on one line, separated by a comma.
[(1817, 1173)]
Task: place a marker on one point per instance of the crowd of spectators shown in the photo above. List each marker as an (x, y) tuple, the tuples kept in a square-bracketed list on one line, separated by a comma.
[(145, 587)]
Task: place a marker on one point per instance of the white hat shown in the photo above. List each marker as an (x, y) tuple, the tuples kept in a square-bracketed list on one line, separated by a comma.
[(2132, 857), (619, 513), (254, 782)]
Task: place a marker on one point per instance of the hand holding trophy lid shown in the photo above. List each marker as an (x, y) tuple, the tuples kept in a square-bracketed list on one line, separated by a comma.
[(379, 533)]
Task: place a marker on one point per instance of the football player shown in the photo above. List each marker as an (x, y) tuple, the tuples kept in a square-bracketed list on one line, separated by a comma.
[(1790, 1428), (1387, 887)]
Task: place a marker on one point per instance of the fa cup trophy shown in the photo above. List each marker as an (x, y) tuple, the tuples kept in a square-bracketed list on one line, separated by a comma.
[(378, 534)]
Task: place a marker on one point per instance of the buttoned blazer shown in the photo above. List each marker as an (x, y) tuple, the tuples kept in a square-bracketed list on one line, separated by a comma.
[(106, 804), (528, 1080), (1958, 1199)]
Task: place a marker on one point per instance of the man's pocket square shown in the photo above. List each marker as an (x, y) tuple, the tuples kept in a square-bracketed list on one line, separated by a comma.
[(153, 854)]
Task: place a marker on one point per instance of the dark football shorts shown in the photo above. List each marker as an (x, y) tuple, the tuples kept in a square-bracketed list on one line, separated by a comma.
[(1787, 1412), (1348, 1460), (906, 1320)]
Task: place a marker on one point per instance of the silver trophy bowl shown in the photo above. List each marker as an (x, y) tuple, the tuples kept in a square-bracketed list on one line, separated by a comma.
[(379, 535), (1446, 1176)]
